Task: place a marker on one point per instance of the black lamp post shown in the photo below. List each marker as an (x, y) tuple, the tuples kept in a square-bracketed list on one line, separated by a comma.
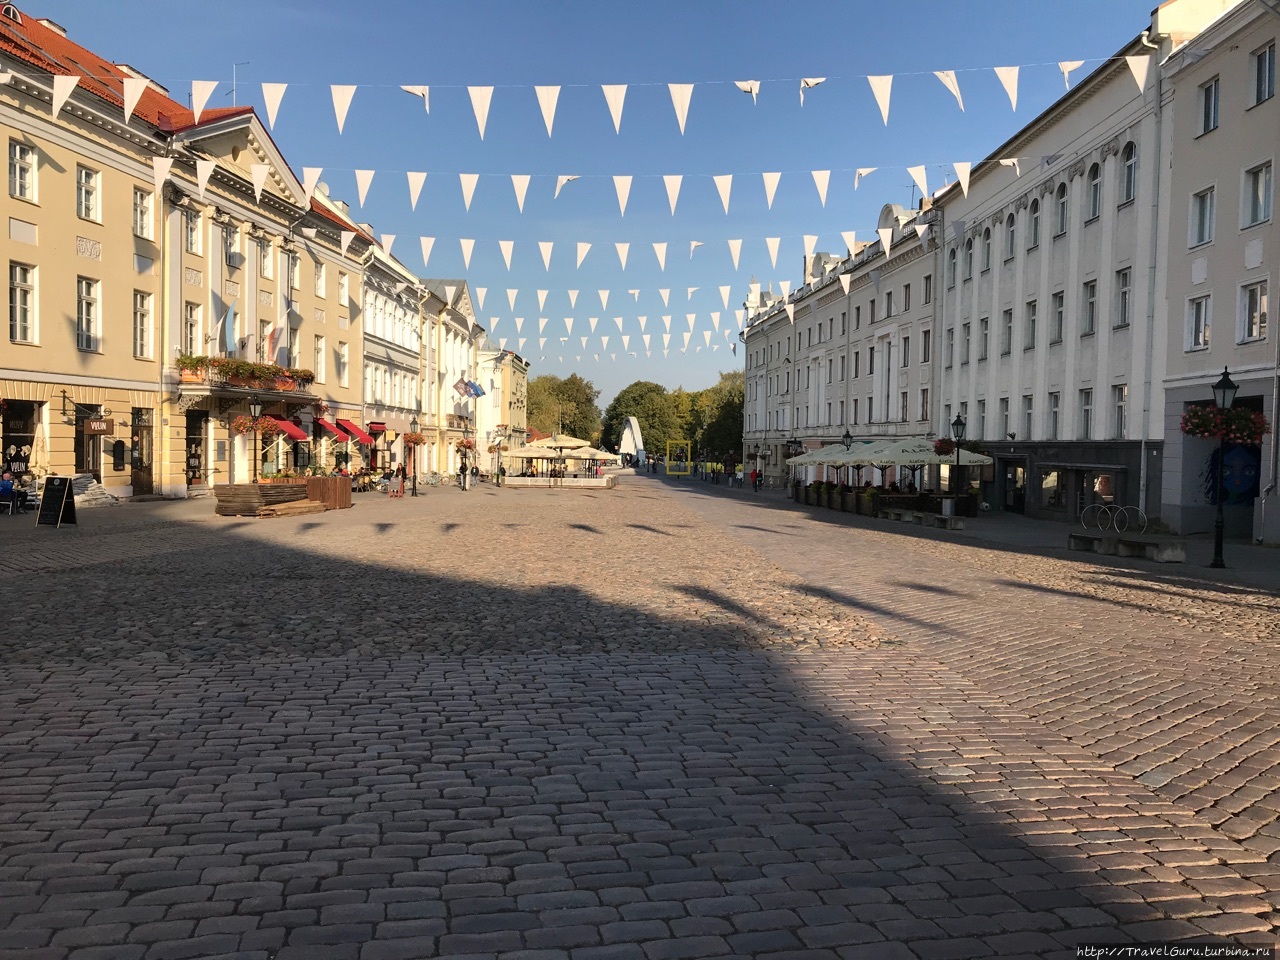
[(957, 433), (466, 435), (255, 411), (1224, 395), (847, 440), (413, 452)]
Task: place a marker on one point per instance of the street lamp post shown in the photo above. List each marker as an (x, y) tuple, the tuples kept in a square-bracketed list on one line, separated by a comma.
[(413, 452), (957, 433), (847, 440), (1224, 395), (255, 411), (466, 435)]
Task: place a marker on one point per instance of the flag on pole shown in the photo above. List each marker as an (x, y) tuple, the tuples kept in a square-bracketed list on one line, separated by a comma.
[(229, 328)]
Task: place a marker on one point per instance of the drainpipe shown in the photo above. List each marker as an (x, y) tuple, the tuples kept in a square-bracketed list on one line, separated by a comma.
[(1275, 445), (1148, 360)]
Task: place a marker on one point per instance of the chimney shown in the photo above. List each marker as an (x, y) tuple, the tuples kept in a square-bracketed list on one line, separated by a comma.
[(57, 28)]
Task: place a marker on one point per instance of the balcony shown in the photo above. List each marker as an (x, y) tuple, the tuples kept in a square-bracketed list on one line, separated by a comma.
[(232, 381)]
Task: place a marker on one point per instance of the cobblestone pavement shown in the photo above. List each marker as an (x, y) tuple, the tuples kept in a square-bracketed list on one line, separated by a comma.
[(645, 723)]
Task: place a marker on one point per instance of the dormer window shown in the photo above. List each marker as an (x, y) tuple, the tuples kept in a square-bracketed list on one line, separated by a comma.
[(11, 13)]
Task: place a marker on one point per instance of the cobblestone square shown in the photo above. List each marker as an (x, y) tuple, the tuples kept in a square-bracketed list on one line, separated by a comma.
[(660, 721)]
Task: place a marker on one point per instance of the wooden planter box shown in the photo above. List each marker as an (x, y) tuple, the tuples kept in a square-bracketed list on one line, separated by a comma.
[(849, 502), (333, 492), (252, 499)]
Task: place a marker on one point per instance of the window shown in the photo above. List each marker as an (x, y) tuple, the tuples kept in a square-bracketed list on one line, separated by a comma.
[(1089, 308), (88, 315), (320, 280), (857, 317), (1086, 414), (871, 312), (294, 269), (906, 297), (1010, 238), (1202, 204), (1209, 106), (1060, 209), (926, 342), (871, 361), (1119, 410), (924, 403), (906, 351), (984, 336), (1006, 333), (264, 337), (1055, 411), (1004, 417), (1264, 73), (1029, 339), (1199, 320), (230, 246), (1028, 413), (830, 368), (266, 256), (317, 362), (844, 325), (191, 343), (22, 303), (950, 348), (951, 267), (1033, 225), (853, 412), (1253, 311), (968, 259), (22, 171), (295, 358), (965, 340), (888, 303), (1257, 195), (141, 214), (1129, 172), (986, 249), (982, 421), (1123, 297), (857, 364), (1059, 305), (141, 325), (903, 414), (928, 288), (87, 193), (191, 231), (1095, 193), (946, 416)]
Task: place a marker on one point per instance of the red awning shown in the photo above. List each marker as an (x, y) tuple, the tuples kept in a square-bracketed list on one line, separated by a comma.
[(290, 429), (377, 426), (356, 433), (338, 434)]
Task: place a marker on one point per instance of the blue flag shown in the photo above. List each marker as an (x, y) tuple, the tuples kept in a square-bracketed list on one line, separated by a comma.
[(229, 328)]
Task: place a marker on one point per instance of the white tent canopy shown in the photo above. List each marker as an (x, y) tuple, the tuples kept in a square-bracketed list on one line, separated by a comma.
[(919, 452)]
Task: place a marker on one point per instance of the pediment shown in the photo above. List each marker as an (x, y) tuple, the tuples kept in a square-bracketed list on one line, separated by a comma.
[(237, 144)]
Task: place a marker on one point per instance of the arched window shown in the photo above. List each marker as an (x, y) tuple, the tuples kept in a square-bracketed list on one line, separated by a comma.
[(1010, 237), (1129, 181), (1060, 202), (1033, 226), (968, 258), (951, 268), (986, 249), (1095, 192)]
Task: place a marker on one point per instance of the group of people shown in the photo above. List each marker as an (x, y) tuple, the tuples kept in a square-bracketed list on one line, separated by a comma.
[(12, 494)]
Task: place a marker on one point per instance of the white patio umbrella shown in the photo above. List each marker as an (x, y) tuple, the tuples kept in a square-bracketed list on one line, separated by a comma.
[(919, 452)]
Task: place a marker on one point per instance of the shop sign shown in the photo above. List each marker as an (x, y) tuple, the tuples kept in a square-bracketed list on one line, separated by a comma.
[(99, 427)]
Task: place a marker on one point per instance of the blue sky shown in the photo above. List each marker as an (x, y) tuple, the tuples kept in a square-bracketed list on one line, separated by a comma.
[(581, 44)]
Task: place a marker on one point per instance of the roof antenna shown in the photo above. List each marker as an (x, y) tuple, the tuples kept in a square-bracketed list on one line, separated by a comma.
[(242, 63)]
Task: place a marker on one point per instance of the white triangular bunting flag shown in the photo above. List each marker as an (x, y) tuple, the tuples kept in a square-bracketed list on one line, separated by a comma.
[(742, 318), (618, 321), (604, 341), (427, 244), (573, 300), (772, 244), (481, 292), (506, 246), (948, 78), (449, 292), (665, 293), (808, 83), (680, 94), (1067, 66), (511, 299), (387, 240), (724, 183), (918, 175), (310, 177), (345, 238), (689, 295), (724, 295), (604, 299), (259, 172), (542, 324), (715, 319), (693, 245), (921, 230), (480, 99), (520, 344), (272, 94), (810, 243), (845, 280), (591, 322), (623, 187), (568, 324), (666, 341), (547, 98), (706, 337), (1139, 66), (204, 170), (519, 327), (563, 179), (201, 90), (520, 183), (850, 238), (646, 337), (626, 340), (1009, 80), (860, 173), (962, 175), (342, 94), (363, 179), (545, 247), (691, 319), (687, 334), (748, 86), (821, 179), (660, 251), (635, 294), (416, 180), (64, 86), (1014, 162), (886, 239), (785, 287), (468, 181), (542, 343), (735, 251), (672, 180), (542, 300), (666, 321), (420, 90), (881, 87), (791, 312), (133, 88), (614, 95), (582, 251), (770, 186), (160, 167), (502, 341), (468, 245), (623, 249)]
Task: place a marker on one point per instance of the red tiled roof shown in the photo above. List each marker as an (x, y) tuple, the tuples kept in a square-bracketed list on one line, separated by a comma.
[(46, 49), (332, 217)]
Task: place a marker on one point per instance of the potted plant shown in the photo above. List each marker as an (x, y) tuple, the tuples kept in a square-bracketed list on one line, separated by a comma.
[(191, 368), (847, 499), (812, 493), (413, 439), (300, 376), (1238, 426)]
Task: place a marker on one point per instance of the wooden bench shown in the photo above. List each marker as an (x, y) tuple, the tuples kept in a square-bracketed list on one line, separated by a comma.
[(1121, 545)]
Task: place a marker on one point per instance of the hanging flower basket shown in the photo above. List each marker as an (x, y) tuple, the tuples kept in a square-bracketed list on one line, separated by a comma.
[(264, 426), (466, 444), (413, 439), (944, 447), (1246, 427)]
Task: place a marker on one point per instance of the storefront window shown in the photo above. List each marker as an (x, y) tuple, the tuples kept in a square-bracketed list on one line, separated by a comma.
[(1097, 487), (19, 423), (1053, 494), (88, 446)]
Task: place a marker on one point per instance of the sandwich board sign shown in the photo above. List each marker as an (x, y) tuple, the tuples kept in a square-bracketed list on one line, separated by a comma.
[(57, 503)]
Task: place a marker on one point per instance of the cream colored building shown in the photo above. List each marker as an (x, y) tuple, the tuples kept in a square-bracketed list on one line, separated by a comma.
[(501, 414), (455, 338), (1222, 263)]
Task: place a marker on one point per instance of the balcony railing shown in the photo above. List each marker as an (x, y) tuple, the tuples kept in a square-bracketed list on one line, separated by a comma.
[(229, 372)]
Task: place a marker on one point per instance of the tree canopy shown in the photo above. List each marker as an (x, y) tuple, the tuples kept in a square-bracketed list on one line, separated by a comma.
[(710, 419), (565, 405)]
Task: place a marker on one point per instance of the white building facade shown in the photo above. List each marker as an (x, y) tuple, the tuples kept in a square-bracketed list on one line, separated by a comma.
[(455, 338), (393, 368)]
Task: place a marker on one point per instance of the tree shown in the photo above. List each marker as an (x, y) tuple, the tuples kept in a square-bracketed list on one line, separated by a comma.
[(652, 407), (564, 406), (720, 408)]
